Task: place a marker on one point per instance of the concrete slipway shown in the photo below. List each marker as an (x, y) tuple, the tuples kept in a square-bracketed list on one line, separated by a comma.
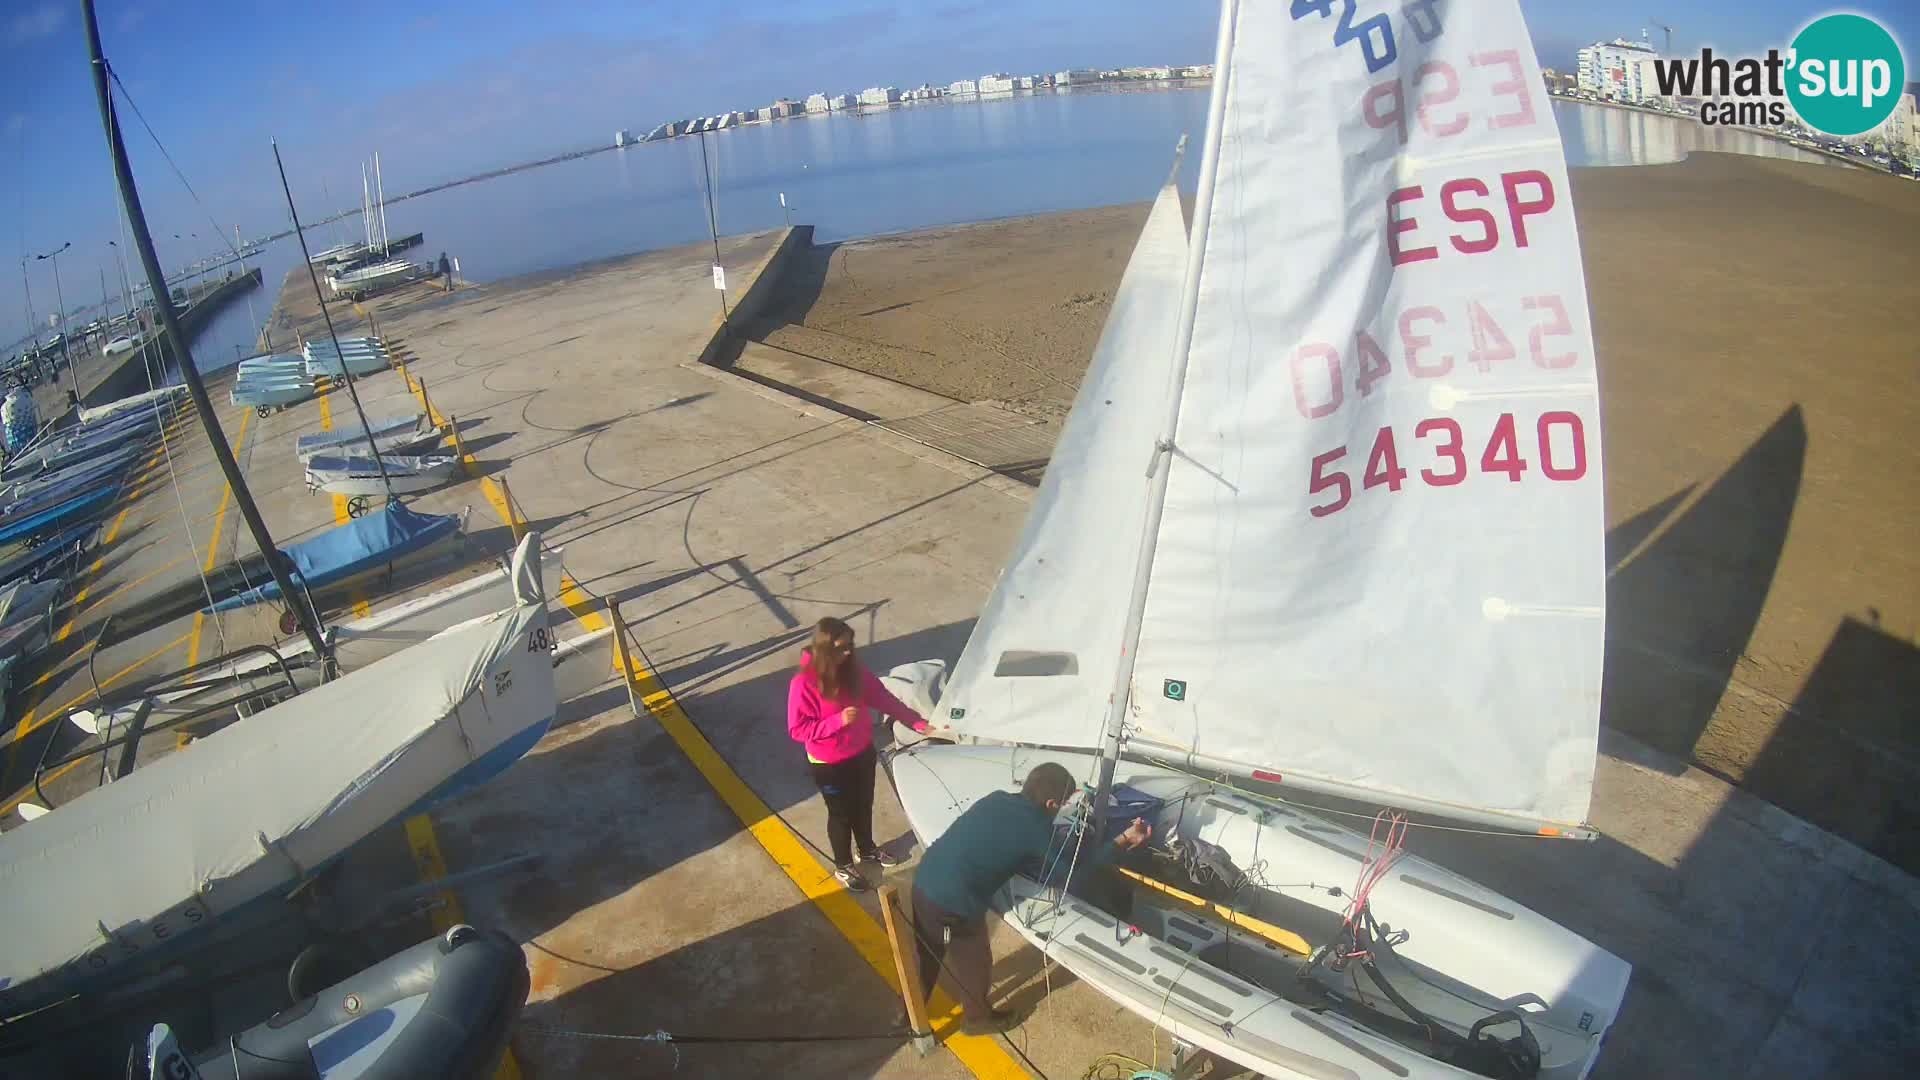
[(726, 515)]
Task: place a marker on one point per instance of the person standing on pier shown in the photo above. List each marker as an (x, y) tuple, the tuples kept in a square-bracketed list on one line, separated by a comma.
[(826, 704), (446, 271)]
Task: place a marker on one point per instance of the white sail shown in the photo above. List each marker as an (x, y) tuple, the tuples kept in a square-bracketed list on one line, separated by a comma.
[(1039, 665), (1380, 565)]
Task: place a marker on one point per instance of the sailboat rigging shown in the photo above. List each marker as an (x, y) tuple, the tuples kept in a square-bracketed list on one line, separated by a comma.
[(1369, 564), (309, 621)]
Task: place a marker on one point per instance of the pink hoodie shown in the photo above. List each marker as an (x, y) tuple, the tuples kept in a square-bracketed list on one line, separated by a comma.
[(813, 719)]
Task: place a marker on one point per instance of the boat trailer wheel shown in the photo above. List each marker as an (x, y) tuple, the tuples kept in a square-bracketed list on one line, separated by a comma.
[(288, 624), (356, 506), (263, 411)]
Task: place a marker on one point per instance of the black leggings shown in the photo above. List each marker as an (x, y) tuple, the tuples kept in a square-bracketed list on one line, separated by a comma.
[(847, 787)]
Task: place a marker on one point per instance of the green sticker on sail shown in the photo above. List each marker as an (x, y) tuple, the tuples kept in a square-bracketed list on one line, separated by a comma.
[(956, 713), (1175, 689)]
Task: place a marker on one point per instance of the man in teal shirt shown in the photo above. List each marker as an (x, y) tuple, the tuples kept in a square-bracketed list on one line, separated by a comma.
[(994, 839)]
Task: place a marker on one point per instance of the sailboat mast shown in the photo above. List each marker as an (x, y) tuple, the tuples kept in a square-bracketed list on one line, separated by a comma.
[(366, 208), (1160, 465), (380, 185), (189, 373), (346, 372)]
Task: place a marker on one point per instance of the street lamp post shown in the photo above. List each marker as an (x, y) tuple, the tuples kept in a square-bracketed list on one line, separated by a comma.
[(60, 296), (33, 321)]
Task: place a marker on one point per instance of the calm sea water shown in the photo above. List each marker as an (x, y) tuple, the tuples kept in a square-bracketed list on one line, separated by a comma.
[(862, 175)]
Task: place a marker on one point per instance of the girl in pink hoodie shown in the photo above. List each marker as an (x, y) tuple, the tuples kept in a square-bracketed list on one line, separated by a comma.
[(825, 702)]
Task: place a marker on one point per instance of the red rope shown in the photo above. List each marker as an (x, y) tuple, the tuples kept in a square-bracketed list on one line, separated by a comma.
[(1388, 837)]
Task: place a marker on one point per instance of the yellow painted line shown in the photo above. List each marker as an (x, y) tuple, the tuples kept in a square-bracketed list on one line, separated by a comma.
[(432, 866), (118, 589), (30, 724), (582, 606), (26, 722), (213, 544), (341, 515), (982, 1055), (13, 804)]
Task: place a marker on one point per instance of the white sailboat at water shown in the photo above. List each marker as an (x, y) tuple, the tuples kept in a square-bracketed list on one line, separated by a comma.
[(1325, 517)]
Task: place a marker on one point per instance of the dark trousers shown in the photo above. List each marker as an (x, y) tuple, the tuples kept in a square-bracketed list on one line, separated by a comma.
[(968, 958), (847, 787)]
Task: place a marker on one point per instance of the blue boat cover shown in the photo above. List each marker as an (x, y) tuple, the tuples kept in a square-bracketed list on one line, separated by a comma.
[(15, 527), (345, 550)]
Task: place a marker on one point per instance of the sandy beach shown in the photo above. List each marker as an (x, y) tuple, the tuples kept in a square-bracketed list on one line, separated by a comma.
[(1754, 323)]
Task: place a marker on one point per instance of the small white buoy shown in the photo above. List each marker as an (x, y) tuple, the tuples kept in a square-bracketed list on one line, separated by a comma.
[(31, 811)]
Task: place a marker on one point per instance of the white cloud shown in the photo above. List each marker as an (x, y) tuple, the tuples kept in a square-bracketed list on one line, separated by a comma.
[(38, 23)]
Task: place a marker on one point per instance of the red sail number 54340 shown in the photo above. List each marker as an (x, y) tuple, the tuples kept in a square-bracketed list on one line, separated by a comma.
[(1559, 451)]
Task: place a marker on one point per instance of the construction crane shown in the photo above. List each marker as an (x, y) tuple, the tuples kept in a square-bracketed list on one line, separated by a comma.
[(1669, 31)]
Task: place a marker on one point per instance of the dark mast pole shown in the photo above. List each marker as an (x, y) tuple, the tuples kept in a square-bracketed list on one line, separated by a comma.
[(157, 281)]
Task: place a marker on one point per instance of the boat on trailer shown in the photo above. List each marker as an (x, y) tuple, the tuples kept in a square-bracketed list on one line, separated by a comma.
[(1365, 562), (391, 435), (164, 856), (361, 476)]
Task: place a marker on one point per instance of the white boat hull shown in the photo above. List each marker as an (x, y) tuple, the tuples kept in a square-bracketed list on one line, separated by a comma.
[(363, 478), (256, 808), (1472, 952)]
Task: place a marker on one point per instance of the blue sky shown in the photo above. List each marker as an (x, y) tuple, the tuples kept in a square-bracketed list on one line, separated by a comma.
[(444, 89)]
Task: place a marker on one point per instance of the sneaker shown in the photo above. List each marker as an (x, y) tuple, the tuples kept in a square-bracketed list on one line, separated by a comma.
[(851, 878), (882, 856)]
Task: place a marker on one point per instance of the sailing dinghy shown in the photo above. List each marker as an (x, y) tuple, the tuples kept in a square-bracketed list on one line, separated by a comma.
[(1353, 421), (359, 476), (115, 408), (391, 435), (138, 874)]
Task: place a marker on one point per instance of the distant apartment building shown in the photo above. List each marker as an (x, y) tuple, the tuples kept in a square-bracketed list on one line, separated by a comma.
[(785, 107), (1197, 71), (1025, 82), (665, 131), (995, 84), (842, 101), (726, 120), (1902, 129), (1076, 77), (764, 112), (622, 138), (963, 88), (879, 95), (819, 103), (1619, 70), (1161, 72)]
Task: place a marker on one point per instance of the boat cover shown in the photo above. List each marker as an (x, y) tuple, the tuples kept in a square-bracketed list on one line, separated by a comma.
[(359, 465), (388, 432), (113, 408), (190, 837), (383, 536), (15, 526)]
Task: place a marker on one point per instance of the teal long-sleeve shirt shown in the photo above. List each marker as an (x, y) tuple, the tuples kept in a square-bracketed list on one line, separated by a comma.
[(989, 842)]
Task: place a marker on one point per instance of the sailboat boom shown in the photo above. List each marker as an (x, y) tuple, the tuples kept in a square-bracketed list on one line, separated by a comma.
[(1191, 759), (1157, 475)]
